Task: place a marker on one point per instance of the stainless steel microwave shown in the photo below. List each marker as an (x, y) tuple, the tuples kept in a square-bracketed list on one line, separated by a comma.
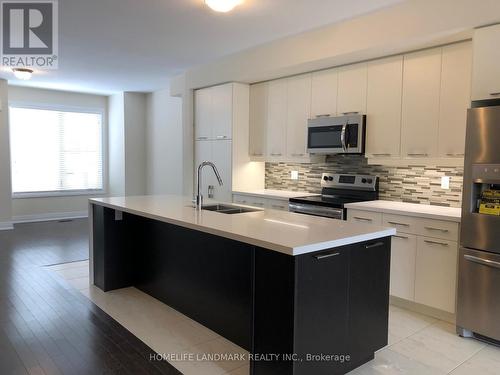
[(336, 134)]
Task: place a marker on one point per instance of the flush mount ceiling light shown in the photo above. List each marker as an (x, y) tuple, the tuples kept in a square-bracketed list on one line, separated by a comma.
[(22, 73), (223, 5)]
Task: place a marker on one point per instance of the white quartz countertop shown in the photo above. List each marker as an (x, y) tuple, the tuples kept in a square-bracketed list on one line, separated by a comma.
[(409, 209), (281, 231), (273, 193)]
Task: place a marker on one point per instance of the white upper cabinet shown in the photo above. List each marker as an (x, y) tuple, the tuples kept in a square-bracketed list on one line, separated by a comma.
[(298, 112), (258, 120), (486, 67), (324, 93), (383, 107), (203, 114), (222, 111), (276, 119), (420, 107), (352, 80), (455, 99), (213, 112)]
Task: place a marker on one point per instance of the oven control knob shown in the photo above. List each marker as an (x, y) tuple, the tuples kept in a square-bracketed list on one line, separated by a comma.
[(363, 180), (325, 178), (330, 178), (369, 180)]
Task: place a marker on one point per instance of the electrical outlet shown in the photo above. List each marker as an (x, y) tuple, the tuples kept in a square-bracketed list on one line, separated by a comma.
[(445, 182), (294, 175)]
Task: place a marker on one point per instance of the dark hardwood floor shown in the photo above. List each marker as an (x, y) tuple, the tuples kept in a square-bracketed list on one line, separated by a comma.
[(46, 326)]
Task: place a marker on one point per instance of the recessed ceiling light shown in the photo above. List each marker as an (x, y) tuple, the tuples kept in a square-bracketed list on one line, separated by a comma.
[(22, 73), (223, 5)]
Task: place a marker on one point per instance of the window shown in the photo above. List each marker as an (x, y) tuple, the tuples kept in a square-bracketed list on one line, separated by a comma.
[(55, 152)]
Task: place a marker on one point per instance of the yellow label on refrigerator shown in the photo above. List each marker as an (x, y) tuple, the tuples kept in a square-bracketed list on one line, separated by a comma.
[(489, 209)]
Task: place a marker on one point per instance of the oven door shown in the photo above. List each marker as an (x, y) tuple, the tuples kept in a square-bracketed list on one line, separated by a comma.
[(310, 209), (345, 138)]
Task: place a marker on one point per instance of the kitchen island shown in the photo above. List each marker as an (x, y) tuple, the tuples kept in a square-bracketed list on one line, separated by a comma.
[(303, 294)]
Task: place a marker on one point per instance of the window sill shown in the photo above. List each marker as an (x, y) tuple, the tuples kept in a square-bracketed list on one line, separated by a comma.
[(53, 194)]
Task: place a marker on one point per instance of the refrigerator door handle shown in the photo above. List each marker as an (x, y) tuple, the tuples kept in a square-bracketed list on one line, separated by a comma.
[(484, 262)]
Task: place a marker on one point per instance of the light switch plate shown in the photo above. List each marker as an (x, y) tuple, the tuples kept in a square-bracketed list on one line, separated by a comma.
[(294, 175), (445, 182)]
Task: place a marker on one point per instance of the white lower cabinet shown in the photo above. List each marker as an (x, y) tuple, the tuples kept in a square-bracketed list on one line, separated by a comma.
[(436, 273), (424, 256), (403, 257), (249, 200)]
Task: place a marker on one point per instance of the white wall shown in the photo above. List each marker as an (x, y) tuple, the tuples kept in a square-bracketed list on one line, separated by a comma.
[(116, 145), (33, 208), (164, 137), (135, 143), (5, 185)]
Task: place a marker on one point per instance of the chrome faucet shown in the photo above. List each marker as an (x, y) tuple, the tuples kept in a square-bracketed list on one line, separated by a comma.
[(199, 196)]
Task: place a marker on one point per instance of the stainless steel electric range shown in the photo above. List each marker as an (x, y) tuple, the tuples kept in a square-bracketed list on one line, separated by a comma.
[(337, 190)]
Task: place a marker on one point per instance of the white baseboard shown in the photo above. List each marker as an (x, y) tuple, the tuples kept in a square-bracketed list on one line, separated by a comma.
[(52, 216), (6, 225)]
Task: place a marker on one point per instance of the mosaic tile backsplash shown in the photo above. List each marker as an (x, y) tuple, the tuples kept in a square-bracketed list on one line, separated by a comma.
[(414, 184)]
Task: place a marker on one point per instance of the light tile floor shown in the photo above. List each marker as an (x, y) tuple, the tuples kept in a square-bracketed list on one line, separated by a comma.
[(418, 344)]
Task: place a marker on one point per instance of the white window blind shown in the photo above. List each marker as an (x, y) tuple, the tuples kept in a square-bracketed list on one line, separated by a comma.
[(55, 151)]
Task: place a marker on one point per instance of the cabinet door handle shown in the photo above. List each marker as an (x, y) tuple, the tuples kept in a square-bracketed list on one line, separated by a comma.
[(484, 262), (372, 245), (325, 115), (297, 154), (455, 155), (396, 223), (417, 154), (437, 229), (350, 113), (256, 154), (436, 243), (362, 218), (275, 154), (495, 93), (382, 154), (400, 237), (202, 138), (276, 206), (323, 256), (221, 137)]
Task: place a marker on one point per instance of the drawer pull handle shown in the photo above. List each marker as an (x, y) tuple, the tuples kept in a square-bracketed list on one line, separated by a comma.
[(323, 256), (484, 262), (396, 223), (325, 115), (437, 229), (275, 154), (276, 206), (202, 138), (436, 243), (495, 93), (372, 245), (297, 155), (221, 137), (401, 237), (257, 154), (382, 154), (455, 155), (417, 154), (362, 218)]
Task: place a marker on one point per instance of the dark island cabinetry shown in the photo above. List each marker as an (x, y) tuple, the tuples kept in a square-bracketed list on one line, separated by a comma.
[(318, 313)]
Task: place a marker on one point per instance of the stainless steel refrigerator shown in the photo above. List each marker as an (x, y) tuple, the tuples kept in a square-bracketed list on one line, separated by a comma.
[(478, 299)]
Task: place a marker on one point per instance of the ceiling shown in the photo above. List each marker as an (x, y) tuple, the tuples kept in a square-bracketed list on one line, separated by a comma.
[(107, 46)]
